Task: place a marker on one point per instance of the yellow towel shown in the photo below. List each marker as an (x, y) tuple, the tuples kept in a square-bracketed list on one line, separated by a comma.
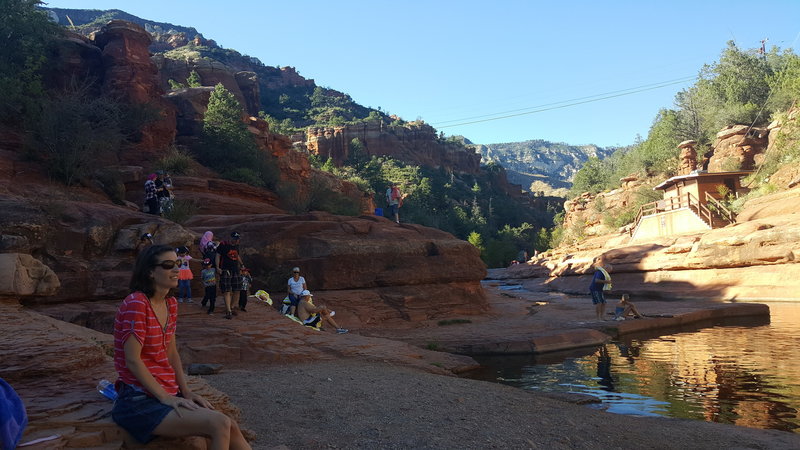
[(606, 287)]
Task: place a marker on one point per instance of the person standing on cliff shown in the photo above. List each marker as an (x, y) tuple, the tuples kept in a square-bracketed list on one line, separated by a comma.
[(151, 195), (228, 264), (394, 200), (601, 281)]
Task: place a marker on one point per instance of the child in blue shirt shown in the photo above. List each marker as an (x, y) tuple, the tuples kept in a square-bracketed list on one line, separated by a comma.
[(209, 276)]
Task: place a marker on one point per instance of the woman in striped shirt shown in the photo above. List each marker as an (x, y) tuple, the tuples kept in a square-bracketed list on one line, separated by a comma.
[(154, 398)]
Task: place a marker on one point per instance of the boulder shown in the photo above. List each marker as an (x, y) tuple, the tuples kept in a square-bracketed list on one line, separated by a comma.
[(24, 275)]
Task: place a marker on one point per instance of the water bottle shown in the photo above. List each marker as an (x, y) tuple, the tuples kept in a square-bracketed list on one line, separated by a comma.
[(106, 388)]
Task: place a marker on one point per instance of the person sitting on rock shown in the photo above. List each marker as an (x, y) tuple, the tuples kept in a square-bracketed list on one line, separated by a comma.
[(625, 309), (154, 398), (295, 288), (313, 316)]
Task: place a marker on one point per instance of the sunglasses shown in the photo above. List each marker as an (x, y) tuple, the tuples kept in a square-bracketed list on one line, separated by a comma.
[(296, 271), (166, 265)]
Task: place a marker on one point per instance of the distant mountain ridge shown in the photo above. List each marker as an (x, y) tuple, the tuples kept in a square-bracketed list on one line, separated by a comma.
[(541, 163)]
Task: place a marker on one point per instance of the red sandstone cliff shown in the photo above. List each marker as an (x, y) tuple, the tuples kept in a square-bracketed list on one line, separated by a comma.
[(415, 142), (74, 244)]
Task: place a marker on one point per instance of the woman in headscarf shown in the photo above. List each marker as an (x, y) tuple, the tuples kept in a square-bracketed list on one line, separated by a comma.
[(208, 248)]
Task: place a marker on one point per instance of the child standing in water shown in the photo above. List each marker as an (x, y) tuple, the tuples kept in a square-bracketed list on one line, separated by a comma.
[(185, 276), (209, 276)]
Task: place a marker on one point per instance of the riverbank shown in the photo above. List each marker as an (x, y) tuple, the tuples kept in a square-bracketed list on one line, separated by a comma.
[(354, 404), (375, 387), (525, 317)]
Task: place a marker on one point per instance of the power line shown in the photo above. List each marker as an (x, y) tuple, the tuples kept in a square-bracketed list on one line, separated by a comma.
[(675, 80), (606, 97)]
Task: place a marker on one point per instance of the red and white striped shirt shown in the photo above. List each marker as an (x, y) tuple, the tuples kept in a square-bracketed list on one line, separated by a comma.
[(136, 318)]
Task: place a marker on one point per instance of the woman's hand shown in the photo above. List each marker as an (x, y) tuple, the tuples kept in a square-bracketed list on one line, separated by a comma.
[(180, 402), (199, 400)]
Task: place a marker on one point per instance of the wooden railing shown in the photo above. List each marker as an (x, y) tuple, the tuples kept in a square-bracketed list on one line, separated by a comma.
[(687, 200), (725, 213)]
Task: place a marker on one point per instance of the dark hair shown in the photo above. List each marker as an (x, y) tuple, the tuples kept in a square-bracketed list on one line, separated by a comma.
[(145, 264)]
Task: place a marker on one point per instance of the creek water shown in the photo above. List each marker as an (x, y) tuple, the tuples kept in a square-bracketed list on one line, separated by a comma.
[(744, 372)]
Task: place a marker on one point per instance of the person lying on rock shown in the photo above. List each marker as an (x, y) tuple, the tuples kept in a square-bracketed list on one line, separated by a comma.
[(312, 316), (154, 398), (601, 281), (625, 309)]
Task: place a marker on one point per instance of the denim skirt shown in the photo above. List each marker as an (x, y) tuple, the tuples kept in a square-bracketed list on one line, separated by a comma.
[(138, 413)]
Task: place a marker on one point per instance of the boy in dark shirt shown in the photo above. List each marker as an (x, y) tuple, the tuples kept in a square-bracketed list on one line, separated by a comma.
[(228, 263)]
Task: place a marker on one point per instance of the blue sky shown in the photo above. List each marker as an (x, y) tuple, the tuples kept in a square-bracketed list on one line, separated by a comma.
[(450, 62)]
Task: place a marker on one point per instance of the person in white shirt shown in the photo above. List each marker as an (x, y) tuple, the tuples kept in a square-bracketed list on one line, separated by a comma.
[(296, 286)]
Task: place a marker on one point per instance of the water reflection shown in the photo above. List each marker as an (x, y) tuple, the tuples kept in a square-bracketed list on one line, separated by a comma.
[(740, 372)]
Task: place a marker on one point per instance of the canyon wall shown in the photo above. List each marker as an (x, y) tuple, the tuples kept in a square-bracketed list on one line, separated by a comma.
[(415, 143)]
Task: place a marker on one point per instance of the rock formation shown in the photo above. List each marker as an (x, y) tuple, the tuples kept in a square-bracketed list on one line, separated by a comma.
[(23, 275), (416, 143), (780, 132), (688, 157), (242, 84), (75, 58), (131, 76), (736, 148)]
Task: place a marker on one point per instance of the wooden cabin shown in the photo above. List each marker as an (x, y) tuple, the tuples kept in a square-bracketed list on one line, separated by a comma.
[(691, 203)]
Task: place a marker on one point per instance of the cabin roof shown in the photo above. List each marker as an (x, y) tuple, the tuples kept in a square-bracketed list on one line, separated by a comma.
[(700, 174)]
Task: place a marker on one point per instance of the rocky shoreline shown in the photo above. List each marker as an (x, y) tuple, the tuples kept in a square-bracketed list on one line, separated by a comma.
[(297, 388)]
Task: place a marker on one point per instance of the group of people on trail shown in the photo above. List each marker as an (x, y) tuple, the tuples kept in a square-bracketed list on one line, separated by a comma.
[(601, 282), (158, 197), (153, 397)]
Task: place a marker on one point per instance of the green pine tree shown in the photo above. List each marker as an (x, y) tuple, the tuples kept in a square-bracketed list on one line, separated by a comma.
[(194, 79)]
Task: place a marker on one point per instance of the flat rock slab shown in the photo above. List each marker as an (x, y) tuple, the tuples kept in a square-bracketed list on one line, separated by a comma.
[(531, 321)]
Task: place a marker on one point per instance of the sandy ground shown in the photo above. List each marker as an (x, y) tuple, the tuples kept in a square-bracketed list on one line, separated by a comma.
[(360, 405)]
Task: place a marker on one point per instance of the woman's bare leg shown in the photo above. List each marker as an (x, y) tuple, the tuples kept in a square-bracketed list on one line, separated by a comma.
[(222, 431)]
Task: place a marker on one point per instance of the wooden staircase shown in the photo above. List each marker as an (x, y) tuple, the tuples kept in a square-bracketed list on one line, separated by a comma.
[(712, 212)]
